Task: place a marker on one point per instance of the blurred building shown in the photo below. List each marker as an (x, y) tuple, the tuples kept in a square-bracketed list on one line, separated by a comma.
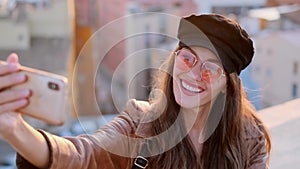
[(274, 26), (114, 12), (228, 6), (39, 31), (276, 61), (276, 66), (237, 10), (186, 7)]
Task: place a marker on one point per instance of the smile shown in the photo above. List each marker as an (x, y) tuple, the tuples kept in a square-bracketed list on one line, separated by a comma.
[(191, 88)]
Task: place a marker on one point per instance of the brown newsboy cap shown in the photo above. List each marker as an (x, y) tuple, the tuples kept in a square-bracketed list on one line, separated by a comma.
[(221, 35)]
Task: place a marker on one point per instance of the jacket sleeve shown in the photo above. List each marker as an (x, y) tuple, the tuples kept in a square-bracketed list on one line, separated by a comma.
[(110, 147), (259, 156)]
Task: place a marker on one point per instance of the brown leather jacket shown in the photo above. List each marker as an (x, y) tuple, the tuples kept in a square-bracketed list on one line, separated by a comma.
[(113, 146)]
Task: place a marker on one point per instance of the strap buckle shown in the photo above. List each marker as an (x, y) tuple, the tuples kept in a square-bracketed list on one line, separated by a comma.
[(141, 162)]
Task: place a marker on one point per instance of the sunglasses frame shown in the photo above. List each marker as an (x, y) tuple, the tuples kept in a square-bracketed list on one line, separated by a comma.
[(202, 62)]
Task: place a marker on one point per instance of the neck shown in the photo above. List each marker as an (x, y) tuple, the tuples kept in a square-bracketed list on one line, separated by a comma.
[(195, 118), (195, 121)]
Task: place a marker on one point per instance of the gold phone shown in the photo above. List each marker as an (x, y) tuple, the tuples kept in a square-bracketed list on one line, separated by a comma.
[(48, 95)]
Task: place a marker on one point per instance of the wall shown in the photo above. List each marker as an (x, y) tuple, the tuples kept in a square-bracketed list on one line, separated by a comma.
[(14, 35), (52, 21)]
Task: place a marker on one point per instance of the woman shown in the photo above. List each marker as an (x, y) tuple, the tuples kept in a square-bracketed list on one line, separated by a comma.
[(200, 119)]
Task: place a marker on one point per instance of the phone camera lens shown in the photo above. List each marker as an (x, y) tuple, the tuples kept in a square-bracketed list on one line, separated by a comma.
[(53, 86)]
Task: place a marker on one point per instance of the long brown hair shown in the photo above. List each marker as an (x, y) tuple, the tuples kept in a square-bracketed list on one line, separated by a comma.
[(225, 148)]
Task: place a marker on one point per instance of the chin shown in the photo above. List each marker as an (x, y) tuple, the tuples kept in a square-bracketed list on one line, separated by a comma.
[(187, 103)]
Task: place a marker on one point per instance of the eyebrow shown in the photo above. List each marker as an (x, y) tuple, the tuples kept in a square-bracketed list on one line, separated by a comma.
[(216, 61), (190, 49)]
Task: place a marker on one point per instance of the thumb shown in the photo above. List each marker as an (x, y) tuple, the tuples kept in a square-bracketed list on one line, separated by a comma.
[(13, 58)]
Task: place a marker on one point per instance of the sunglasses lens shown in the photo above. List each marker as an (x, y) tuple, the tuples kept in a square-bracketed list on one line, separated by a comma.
[(187, 58), (211, 71)]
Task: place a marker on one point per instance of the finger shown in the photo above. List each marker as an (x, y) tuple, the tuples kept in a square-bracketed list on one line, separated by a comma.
[(13, 58), (12, 106), (12, 64), (8, 68), (10, 80), (12, 95)]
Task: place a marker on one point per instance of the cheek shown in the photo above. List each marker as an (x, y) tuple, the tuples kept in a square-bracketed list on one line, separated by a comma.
[(175, 82), (176, 72), (216, 89), (176, 87), (182, 67)]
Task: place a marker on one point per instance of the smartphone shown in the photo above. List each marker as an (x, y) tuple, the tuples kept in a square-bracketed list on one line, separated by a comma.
[(48, 95)]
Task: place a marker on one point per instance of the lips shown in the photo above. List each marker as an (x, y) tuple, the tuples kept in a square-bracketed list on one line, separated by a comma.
[(191, 88)]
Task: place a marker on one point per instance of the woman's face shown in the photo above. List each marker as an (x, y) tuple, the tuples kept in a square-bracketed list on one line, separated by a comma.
[(198, 77)]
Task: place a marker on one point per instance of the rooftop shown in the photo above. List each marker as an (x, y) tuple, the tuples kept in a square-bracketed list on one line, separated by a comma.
[(284, 122)]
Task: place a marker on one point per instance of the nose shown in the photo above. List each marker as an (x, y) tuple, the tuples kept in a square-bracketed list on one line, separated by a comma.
[(196, 71)]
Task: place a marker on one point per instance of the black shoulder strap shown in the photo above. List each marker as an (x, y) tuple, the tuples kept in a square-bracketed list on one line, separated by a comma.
[(141, 161)]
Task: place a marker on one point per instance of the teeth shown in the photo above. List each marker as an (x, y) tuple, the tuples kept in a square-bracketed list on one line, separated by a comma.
[(190, 88)]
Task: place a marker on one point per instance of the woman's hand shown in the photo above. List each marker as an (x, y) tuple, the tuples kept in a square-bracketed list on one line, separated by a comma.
[(11, 100), (28, 142)]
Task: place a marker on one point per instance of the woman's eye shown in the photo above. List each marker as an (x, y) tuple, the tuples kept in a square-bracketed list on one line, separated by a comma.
[(188, 58)]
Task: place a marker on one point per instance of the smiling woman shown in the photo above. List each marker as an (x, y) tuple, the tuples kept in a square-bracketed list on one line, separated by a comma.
[(201, 117), (204, 89)]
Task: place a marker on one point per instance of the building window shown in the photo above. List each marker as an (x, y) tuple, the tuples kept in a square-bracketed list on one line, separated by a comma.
[(295, 90), (296, 67)]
